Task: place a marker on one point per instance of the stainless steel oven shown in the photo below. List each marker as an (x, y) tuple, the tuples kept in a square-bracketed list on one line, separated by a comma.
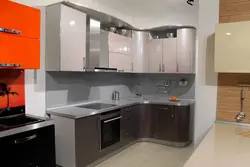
[(110, 128)]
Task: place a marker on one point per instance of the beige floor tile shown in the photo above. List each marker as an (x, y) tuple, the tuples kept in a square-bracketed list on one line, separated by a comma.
[(146, 154)]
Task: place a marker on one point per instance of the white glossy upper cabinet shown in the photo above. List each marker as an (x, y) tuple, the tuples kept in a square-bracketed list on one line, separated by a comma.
[(232, 51), (169, 58), (65, 39), (140, 52), (119, 43), (156, 54), (120, 61), (186, 40)]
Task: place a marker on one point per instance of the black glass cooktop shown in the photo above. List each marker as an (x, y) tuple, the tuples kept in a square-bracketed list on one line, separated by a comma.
[(97, 106)]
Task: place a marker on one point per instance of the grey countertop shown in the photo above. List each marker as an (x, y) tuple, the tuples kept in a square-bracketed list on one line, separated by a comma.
[(74, 112)]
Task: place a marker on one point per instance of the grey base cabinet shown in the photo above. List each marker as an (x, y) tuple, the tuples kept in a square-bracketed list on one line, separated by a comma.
[(79, 140), (172, 123), (130, 124), (87, 138)]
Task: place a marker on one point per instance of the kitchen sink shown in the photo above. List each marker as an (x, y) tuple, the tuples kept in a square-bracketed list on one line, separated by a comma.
[(17, 121)]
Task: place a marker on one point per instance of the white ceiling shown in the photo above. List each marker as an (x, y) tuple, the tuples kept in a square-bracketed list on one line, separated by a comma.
[(142, 8), (157, 11)]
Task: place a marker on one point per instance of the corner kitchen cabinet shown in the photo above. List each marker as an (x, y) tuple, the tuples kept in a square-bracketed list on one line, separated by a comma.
[(172, 123), (174, 55), (19, 36), (163, 55), (232, 47), (65, 39), (186, 45)]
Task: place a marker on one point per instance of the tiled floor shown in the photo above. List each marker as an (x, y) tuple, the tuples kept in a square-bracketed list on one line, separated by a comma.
[(149, 155)]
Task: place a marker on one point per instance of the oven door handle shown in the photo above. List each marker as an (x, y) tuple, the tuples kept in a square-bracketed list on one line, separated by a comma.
[(113, 119)]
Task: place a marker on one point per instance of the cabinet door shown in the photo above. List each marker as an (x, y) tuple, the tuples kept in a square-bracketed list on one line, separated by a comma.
[(119, 43), (155, 55), (87, 140), (232, 48), (169, 55), (186, 39), (20, 50), (181, 124), (114, 60), (120, 61), (21, 18), (125, 63), (147, 123), (164, 122), (73, 39), (33, 148), (126, 136)]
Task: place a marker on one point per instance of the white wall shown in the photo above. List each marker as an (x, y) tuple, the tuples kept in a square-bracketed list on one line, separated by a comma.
[(35, 81), (206, 79)]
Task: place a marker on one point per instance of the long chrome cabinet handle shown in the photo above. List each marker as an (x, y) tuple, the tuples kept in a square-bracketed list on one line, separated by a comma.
[(10, 31), (9, 65), (163, 67), (111, 120), (26, 139)]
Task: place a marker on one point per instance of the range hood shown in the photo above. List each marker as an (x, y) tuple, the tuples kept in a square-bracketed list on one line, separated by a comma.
[(97, 53)]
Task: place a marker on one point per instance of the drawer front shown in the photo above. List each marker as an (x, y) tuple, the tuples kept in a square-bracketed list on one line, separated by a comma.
[(23, 52), (23, 19), (29, 149)]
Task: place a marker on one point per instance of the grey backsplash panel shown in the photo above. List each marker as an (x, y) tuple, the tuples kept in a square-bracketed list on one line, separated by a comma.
[(154, 84), (65, 88)]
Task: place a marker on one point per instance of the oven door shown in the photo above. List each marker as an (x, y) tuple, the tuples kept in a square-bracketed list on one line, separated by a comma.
[(110, 130)]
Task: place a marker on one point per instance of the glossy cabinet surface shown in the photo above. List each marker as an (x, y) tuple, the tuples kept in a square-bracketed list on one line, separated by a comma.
[(65, 39), (120, 61), (119, 43), (169, 60), (26, 51), (119, 52), (20, 47), (21, 18), (156, 53), (186, 40), (140, 52), (232, 47), (163, 58), (38, 151)]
